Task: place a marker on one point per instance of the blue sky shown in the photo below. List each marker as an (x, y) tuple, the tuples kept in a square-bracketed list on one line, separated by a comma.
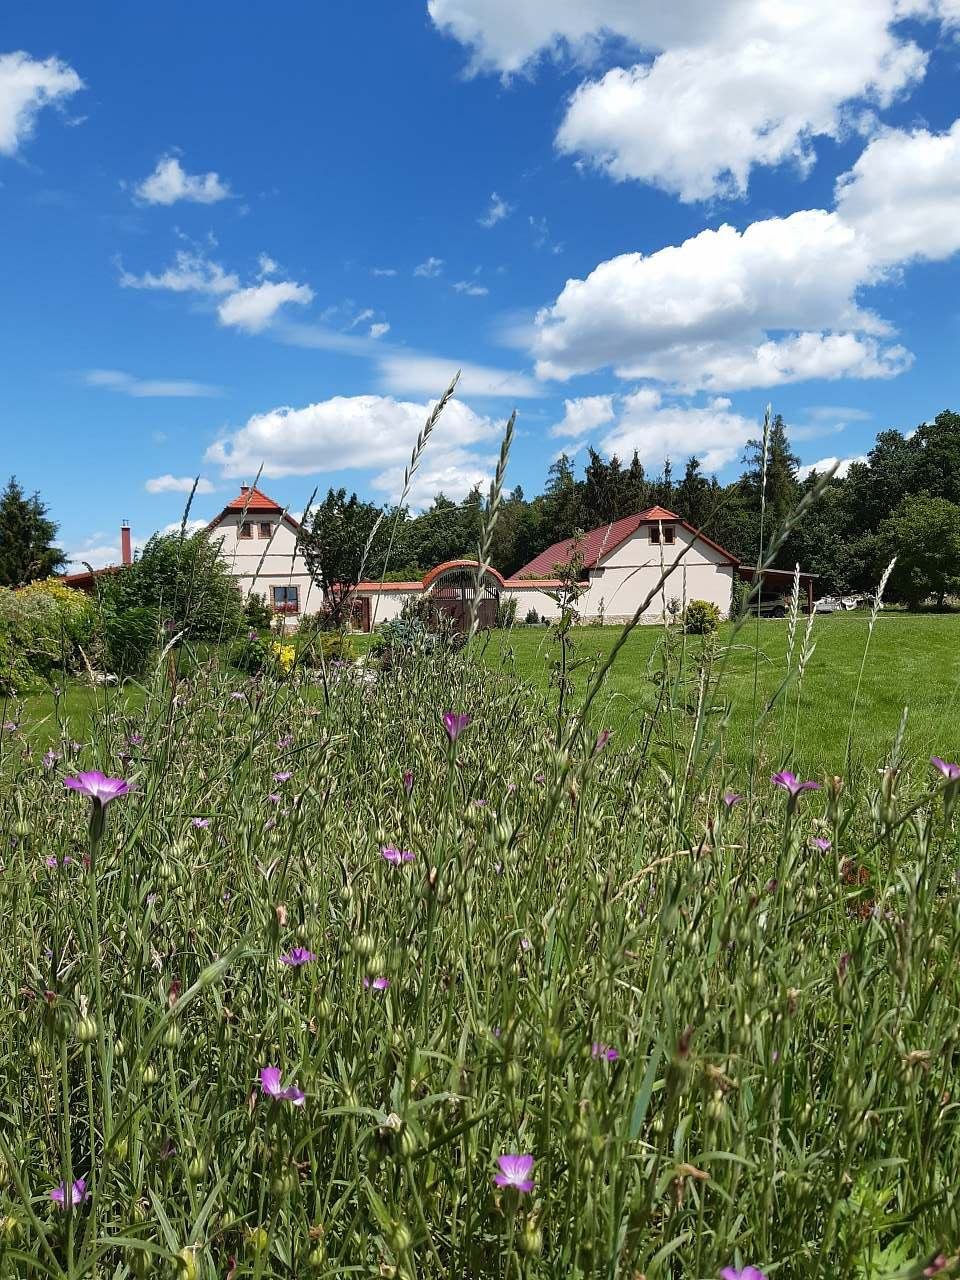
[(270, 238)]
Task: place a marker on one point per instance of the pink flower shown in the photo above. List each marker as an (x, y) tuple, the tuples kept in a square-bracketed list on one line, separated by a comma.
[(408, 782), (515, 1171), (604, 1051), (53, 862), (950, 771), (744, 1273), (731, 798), (283, 776), (378, 984), (822, 843), (602, 739), (789, 782), (455, 724), (200, 823), (297, 956), (98, 787), (271, 1088), (396, 856), (76, 1195)]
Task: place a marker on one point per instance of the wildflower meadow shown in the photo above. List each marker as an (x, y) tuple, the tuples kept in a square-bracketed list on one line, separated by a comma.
[(408, 978)]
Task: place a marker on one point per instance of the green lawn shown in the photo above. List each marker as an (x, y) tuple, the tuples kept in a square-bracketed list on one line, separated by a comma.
[(913, 663)]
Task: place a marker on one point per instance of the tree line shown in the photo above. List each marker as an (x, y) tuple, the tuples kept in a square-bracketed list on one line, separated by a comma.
[(902, 500)]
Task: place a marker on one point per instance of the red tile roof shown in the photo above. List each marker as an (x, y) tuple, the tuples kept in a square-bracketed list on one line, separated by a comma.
[(599, 543), (255, 502)]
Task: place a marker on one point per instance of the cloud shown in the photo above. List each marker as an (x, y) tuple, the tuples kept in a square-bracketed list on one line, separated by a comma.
[(169, 183), (177, 484), (541, 235), (383, 271), (191, 272), (903, 193), (497, 211), (431, 268), (413, 374), (253, 309), (583, 415), (368, 432), (658, 430), (139, 388), (471, 289), (27, 85), (778, 302), (703, 93), (843, 465), (379, 329)]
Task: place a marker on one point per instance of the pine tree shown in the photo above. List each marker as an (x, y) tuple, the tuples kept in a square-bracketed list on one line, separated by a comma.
[(778, 481), (26, 538)]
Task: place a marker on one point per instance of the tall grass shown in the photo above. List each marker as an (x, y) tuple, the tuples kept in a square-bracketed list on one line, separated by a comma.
[(724, 1029)]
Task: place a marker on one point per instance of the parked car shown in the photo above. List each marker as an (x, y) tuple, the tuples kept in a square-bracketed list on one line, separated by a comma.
[(836, 604)]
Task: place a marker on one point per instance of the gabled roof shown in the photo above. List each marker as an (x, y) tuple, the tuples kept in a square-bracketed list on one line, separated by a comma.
[(256, 503), (599, 543)]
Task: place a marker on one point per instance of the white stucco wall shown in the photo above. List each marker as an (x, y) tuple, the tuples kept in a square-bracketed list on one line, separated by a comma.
[(528, 598), (282, 565), (621, 584)]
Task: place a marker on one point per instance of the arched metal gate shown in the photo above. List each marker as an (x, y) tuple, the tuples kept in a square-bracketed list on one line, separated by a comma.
[(453, 590)]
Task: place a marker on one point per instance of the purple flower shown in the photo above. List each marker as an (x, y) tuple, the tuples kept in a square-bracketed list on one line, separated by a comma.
[(274, 798), (285, 741), (296, 957), (378, 984), (789, 782), (53, 861), (396, 856), (821, 843), (731, 798), (602, 739), (199, 822), (515, 1171), (99, 788), (282, 777), (455, 724), (525, 944), (237, 696), (135, 739), (950, 771), (604, 1051), (10, 726), (742, 1273), (539, 777), (76, 1195), (50, 759), (270, 1086), (408, 782)]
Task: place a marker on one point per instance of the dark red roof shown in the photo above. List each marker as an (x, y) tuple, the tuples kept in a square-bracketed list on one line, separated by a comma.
[(598, 543)]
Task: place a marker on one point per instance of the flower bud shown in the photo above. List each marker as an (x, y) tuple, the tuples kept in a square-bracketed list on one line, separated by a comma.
[(400, 1238), (186, 1262), (86, 1029), (171, 1035), (364, 945), (149, 1075), (197, 1168), (531, 1240), (258, 1239), (284, 1182), (512, 1073), (324, 1008)]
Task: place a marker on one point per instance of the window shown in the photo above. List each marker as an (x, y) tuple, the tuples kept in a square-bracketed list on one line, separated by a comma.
[(246, 529), (285, 599), (669, 534), (266, 529)]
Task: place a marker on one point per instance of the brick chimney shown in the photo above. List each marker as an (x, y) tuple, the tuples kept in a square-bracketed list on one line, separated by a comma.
[(126, 550)]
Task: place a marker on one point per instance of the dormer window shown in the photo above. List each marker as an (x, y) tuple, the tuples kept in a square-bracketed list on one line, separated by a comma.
[(266, 529), (669, 534), (246, 529)]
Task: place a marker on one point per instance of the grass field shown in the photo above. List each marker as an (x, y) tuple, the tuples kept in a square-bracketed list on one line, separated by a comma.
[(913, 665)]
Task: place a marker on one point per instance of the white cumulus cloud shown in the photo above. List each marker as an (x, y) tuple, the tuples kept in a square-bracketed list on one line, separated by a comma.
[(430, 268), (778, 302), (27, 85), (583, 415), (367, 432), (471, 289), (253, 309), (190, 272), (177, 484), (169, 183), (659, 430), (842, 465)]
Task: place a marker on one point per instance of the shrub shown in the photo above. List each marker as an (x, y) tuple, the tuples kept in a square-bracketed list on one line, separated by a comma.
[(128, 639), (701, 618), (45, 625), (257, 614), (250, 654), (507, 612), (185, 581), (532, 618)]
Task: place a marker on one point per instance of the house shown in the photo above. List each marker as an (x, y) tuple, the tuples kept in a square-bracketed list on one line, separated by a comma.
[(619, 566)]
